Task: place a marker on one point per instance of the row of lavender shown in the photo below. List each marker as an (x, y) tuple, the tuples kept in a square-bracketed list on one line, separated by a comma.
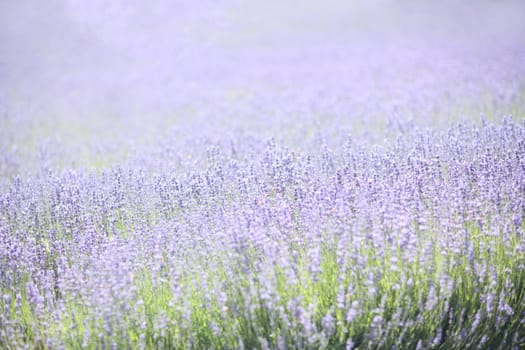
[(361, 87), (415, 244)]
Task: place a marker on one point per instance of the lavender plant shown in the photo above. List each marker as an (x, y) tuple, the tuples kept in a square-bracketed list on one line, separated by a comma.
[(417, 244)]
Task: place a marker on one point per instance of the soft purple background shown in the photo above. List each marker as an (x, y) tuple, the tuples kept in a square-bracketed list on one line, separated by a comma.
[(92, 80)]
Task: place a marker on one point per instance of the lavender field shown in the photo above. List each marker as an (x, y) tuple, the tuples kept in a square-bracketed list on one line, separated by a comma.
[(262, 175)]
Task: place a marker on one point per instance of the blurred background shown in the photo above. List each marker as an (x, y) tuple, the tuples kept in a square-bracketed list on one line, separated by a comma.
[(84, 83)]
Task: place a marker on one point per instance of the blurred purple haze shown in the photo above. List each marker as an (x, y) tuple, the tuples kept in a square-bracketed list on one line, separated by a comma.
[(118, 72)]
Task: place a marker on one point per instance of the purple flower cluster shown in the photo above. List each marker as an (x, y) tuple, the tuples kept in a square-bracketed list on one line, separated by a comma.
[(308, 249)]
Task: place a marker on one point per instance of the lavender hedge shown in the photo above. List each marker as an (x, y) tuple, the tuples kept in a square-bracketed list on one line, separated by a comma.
[(415, 244)]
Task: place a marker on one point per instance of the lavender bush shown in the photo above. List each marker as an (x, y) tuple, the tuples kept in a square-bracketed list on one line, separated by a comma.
[(369, 197)]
